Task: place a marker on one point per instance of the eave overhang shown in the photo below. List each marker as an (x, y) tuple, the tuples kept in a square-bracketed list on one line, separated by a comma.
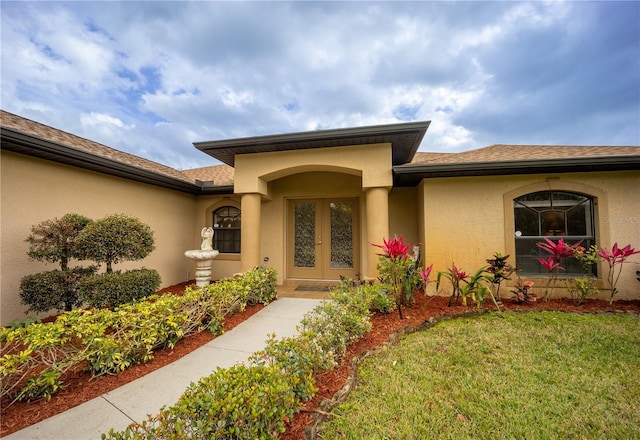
[(412, 174), (19, 142), (404, 138)]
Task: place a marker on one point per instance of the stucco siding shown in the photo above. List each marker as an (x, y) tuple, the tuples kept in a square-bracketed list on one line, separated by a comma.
[(403, 215), (468, 219), (34, 190)]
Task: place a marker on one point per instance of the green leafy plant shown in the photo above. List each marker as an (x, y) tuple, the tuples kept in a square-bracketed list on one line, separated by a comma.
[(54, 289), (585, 286), (476, 287), (34, 358), (580, 288), (53, 241), (116, 288), (255, 400), (397, 270), (115, 238), (456, 276)]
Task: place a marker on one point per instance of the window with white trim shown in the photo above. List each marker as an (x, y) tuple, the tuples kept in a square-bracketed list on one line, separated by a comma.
[(552, 215)]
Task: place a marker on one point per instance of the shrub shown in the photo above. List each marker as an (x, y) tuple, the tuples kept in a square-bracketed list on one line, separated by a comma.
[(53, 290), (241, 402), (115, 238), (116, 288), (580, 288), (297, 356), (53, 241), (262, 285), (254, 401), (34, 358)]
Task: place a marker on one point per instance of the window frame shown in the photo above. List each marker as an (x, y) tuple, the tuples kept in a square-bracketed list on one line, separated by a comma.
[(556, 183), (222, 229), (552, 210)]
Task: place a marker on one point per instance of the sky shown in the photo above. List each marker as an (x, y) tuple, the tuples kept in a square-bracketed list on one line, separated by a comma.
[(150, 78)]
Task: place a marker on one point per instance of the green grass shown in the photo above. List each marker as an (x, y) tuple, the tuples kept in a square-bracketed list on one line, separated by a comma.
[(543, 375)]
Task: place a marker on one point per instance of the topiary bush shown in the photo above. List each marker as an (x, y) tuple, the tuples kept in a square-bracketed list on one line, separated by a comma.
[(116, 288), (53, 290), (115, 238), (53, 241)]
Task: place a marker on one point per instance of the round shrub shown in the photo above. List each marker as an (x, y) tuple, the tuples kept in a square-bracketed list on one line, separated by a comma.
[(115, 238), (116, 288), (54, 289)]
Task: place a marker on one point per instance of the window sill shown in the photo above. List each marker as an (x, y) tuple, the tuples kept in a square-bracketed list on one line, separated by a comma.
[(228, 257)]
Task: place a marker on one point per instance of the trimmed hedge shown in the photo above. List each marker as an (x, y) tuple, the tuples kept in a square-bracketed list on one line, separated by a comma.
[(35, 357), (253, 401), (116, 288), (54, 289)]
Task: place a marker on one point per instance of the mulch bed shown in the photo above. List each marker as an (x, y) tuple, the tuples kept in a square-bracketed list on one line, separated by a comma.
[(81, 388)]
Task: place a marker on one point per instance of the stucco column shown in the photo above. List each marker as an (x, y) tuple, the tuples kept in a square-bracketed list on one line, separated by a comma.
[(250, 231), (377, 200)]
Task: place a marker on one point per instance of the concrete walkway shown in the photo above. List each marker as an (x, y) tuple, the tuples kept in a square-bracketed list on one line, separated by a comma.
[(132, 402)]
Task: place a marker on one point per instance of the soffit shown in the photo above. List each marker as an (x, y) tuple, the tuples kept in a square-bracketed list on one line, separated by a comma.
[(404, 139)]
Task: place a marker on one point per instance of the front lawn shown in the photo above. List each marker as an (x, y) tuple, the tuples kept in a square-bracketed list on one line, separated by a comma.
[(527, 375)]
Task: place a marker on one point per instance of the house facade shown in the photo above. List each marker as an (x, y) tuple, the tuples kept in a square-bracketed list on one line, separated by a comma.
[(310, 204)]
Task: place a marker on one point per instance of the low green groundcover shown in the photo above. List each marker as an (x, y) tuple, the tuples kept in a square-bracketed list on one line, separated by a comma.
[(527, 375)]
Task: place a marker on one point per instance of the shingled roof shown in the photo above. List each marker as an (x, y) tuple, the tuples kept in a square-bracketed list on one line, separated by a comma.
[(46, 133), (32, 138), (503, 153)]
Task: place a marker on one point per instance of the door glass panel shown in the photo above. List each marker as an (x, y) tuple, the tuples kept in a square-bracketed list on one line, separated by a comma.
[(341, 234), (304, 235)]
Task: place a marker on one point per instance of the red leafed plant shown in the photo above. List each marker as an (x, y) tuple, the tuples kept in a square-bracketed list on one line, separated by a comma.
[(614, 258), (558, 252), (456, 276), (398, 269)]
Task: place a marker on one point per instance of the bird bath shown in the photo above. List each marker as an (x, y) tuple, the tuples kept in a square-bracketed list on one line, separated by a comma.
[(203, 258)]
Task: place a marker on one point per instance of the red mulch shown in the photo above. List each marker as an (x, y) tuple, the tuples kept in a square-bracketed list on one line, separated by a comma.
[(81, 387)]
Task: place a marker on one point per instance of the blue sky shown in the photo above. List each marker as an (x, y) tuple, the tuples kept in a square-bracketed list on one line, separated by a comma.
[(150, 78)]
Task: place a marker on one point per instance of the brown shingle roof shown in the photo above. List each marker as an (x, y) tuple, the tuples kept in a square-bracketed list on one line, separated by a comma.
[(503, 153), (44, 132), (220, 174)]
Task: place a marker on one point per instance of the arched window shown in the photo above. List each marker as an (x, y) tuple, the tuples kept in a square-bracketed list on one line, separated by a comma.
[(226, 227), (554, 215)]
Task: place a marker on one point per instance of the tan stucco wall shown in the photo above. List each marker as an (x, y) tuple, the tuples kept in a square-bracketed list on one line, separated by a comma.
[(466, 220), (35, 190), (403, 215), (372, 163)]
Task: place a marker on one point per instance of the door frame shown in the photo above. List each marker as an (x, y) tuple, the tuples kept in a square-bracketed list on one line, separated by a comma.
[(323, 270)]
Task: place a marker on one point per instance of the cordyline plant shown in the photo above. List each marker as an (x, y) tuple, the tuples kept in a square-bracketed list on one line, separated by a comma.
[(396, 266), (456, 276), (558, 252), (615, 258)]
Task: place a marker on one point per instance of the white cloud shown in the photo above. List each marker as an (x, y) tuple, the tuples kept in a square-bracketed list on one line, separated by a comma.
[(135, 74)]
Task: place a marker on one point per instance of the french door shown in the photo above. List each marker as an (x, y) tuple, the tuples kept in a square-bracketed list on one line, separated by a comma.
[(323, 238)]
